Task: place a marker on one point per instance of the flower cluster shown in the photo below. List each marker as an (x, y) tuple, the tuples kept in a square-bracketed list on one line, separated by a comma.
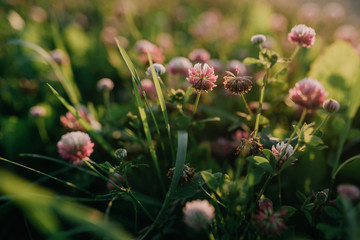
[(202, 78), (268, 221), (302, 35), (179, 66), (237, 84), (75, 146), (278, 150), (198, 214)]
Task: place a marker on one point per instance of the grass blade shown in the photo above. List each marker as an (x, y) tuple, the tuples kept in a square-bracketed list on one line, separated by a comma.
[(96, 136), (70, 88), (179, 166), (162, 104)]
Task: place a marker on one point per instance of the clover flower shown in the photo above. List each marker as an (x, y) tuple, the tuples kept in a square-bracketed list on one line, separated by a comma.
[(237, 84), (59, 56), (202, 78), (75, 146), (267, 221), (37, 111), (187, 174), (143, 46), (198, 214), (302, 35), (331, 105), (349, 191), (236, 64), (105, 84), (278, 149), (258, 39), (217, 65), (159, 70), (179, 66), (308, 93), (249, 146), (199, 55)]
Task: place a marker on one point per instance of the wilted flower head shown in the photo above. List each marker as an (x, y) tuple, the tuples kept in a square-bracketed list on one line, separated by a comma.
[(105, 84), (142, 46), (238, 84), (187, 174), (37, 111), (179, 66), (75, 146), (202, 78), (302, 35), (236, 64), (149, 89), (279, 149), (267, 221), (349, 191), (258, 39), (59, 56), (159, 70), (249, 146), (308, 93), (331, 105), (199, 55), (198, 214), (117, 179)]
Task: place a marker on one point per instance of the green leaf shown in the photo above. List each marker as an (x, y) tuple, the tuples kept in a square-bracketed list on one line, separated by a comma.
[(270, 156), (210, 180), (289, 210), (261, 162), (329, 231), (333, 212), (313, 140), (308, 216), (250, 61), (301, 196), (338, 69)]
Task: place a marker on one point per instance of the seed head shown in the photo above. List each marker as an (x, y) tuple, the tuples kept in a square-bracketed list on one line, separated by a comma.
[(249, 146), (187, 174), (237, 84)]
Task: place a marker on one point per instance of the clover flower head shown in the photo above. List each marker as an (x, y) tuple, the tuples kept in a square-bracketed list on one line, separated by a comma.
[(268, 221), (302, 35), (349, 191), (37, 111), (258, 39), (143, 46), (278, 149), (159, 70), (75, 146), (105, 84), (59, 56), (179, 66), (308, 93), (198, 214), (202, 78), (331, 105), (237, 84), (199, 55), (236, 66), (187, 174)]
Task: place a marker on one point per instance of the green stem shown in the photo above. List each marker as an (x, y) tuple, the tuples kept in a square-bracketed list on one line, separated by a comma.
[(263, 188), (322, 123), (246, 105), (293, 55), (338, 155), (127, 191), (196, 102), (262, 93), (303, 114), (107, 98), (42, 129)]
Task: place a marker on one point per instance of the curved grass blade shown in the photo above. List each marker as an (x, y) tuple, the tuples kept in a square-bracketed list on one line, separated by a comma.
[(96, 136), (162, 104), (69, 86), (354, 158), (49, 176), (179, 166)]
